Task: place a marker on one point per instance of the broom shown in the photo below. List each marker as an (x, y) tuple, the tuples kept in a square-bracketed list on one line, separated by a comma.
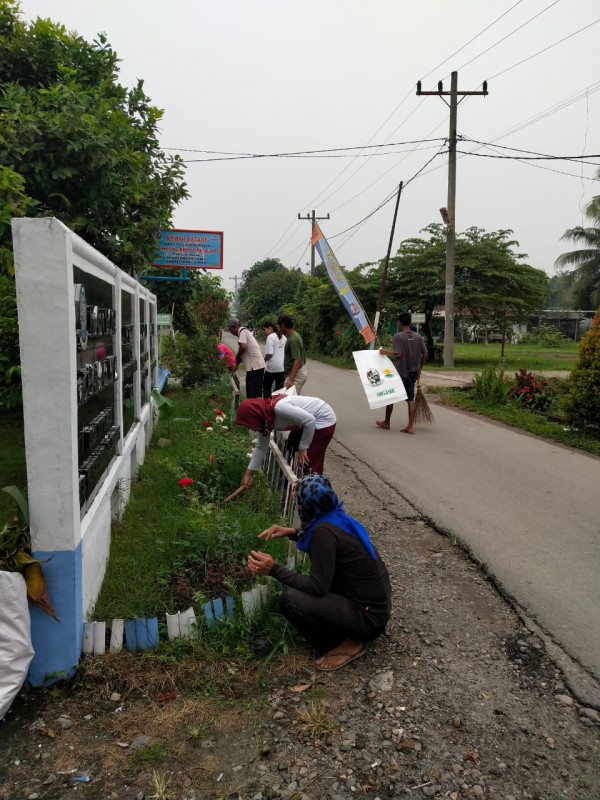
[(422, 411)]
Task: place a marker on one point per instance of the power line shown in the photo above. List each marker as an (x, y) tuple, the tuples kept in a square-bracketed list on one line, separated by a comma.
[(545, 49), (508, 35)]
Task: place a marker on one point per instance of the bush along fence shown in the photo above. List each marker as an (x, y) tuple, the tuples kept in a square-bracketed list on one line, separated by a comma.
[(144, 633), (89, 349)]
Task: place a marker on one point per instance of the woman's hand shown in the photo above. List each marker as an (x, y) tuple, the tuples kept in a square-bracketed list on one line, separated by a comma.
[(248, 479), (303, 458), (276, 532), (260, 563)]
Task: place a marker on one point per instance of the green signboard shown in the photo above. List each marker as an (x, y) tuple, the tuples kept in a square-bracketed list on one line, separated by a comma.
[(163, 320)]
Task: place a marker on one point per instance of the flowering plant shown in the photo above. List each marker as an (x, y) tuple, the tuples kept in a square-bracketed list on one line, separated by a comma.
[(531, 391), (186, 482)]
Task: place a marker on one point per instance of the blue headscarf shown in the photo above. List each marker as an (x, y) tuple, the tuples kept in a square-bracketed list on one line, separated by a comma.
[(317, 502)]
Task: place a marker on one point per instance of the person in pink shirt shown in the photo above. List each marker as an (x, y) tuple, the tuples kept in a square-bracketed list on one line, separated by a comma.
[(227, 355)]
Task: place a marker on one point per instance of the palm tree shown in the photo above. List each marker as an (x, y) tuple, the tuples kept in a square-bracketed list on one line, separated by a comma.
[(585, 262)]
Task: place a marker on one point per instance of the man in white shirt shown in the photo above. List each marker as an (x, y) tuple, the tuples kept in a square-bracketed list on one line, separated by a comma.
[(250, 356)]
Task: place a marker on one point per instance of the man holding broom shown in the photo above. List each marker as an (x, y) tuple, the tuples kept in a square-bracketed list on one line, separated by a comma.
[(409, 354)]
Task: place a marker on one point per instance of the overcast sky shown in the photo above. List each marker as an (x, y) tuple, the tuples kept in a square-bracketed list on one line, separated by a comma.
[(275, 76)]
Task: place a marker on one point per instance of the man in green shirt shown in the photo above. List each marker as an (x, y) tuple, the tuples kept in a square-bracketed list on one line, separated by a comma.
[(294, 358)]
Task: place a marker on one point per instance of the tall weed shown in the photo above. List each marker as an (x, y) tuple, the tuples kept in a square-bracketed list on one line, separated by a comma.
[(492, 384)]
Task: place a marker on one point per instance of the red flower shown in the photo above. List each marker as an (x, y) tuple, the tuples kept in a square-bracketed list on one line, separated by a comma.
[(186, 482), (206, 424), (217, 411), (211, 458)]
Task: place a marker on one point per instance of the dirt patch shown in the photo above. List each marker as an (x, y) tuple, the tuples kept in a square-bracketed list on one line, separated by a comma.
[(458, 700)]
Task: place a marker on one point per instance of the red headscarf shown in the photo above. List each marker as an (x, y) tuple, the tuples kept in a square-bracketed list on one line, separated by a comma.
[(258, 414)]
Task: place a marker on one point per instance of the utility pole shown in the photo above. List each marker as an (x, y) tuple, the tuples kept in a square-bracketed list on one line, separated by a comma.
[(449, 214), (235, 278), (312, 219)]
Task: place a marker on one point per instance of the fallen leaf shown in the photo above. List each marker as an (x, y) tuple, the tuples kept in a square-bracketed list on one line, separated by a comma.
[(45, 731), (163, 698), (486, 696), (472, 755), (36, 583), (301, 687), (122, 744)]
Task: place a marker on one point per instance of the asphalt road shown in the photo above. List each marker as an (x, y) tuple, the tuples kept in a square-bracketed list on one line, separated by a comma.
[(527, 508)]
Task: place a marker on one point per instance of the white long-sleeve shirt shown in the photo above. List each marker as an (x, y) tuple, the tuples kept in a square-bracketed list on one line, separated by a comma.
[(309, 413)]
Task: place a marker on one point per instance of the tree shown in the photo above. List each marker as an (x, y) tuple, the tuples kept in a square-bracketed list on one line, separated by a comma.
[(267, 287), (76, 145), (586, 262), (492, 287), (86, 147)]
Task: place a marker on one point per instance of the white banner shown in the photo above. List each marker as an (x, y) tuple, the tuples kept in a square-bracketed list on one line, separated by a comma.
[(379, 378)]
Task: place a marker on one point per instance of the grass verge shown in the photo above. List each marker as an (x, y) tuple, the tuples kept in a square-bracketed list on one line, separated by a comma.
[(468, 357), (517, 417)]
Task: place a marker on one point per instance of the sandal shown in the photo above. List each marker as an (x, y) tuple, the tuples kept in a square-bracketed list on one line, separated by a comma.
[(348, 657)]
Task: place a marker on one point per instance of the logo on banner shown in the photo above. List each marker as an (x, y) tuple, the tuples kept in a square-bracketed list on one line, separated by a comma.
[(374, 377)]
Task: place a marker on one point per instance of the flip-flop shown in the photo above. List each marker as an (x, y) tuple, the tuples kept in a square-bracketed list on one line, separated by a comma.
[(347, 656), (381, 424)]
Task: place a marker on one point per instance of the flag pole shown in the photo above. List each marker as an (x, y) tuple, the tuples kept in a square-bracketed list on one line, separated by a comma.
[(385, 268)]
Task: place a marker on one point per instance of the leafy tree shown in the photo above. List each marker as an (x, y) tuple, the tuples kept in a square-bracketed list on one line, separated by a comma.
[(86, 147), (582, 404), (76, 145), (258, 268), (492, 287), (586, 261)]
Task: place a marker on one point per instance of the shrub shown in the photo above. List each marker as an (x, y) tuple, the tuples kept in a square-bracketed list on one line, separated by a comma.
[(193, 359), (491, 384), (531, 391), (10, 369), (582, 404), (546, 335)]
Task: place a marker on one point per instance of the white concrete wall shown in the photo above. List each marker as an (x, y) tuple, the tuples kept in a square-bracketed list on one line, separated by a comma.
[(45, 254)]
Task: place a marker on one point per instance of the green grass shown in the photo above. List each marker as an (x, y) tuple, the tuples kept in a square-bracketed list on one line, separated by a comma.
[(468, 357), (516, 356), (166, 526), (12, 460), (517, 417)]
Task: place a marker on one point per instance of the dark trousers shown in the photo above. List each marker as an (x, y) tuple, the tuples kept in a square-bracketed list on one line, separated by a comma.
[(254, 383), (327, 621), (317, 448), (268, 380)]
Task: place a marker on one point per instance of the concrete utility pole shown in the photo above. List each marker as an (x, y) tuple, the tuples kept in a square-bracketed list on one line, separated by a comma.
[(235, 279), (449, 215), (312, 219)]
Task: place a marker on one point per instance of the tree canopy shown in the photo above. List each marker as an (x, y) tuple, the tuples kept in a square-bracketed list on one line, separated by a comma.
[(493, 288), (77, 144), (267, 288)]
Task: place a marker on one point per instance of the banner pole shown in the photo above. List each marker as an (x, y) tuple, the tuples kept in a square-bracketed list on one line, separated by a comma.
[(385, 268)]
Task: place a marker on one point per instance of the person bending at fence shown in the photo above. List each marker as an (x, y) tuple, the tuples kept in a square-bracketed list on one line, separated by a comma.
[(312, 420), (345, 600)]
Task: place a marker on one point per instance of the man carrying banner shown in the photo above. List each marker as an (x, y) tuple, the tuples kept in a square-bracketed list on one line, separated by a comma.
[(409, 354), (294, 357)]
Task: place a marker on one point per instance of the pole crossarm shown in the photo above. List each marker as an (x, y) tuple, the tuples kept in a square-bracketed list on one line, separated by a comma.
[(312, 218)]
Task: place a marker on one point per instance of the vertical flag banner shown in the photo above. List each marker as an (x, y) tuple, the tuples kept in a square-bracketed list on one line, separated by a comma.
[(341, 285), (380, 379)]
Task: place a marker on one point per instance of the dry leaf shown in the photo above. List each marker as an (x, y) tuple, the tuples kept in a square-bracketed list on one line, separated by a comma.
[(472, 755), (486, 696), (36, 584), (301, 687)]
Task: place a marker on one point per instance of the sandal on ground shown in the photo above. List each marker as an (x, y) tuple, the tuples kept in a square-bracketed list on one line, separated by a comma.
[(348, 657), (381, 424)]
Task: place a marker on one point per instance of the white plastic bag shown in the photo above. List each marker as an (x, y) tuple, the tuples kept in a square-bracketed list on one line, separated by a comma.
[(287, 392), (16, 651), (379, 378)]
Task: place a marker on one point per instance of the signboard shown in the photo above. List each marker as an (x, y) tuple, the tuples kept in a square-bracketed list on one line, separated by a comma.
[(163, 320), (380, 379), (416, 318), (189, 249), (342, 287)]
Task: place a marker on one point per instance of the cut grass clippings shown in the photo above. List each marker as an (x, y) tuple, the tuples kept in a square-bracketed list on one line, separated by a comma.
[(521, 418)]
